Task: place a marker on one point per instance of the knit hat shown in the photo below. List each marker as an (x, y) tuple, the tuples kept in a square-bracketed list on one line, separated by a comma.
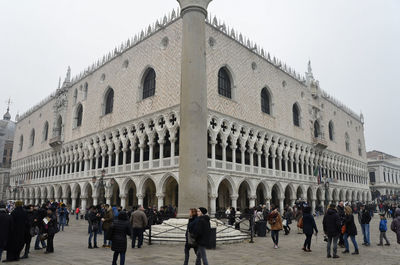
[(203, 210)]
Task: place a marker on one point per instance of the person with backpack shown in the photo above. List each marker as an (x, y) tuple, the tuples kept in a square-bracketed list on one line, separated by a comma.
[(202, 235), (382, 230), (309, 227), (275, 221)]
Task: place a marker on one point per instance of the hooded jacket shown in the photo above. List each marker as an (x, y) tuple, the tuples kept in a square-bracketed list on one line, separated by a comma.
[(396, 224), (202, 230), (332, 223)]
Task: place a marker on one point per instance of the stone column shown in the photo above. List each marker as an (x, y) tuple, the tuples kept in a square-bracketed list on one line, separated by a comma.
[(84, 200), (141, 146), (108, 200), (95, 200), (224, 145), (281, 205), (252, 201), (234, 201), (193, 108), (160, 199), (73, 207), (292, 202), (312, 206), (161, 142), (233, 147), (213, 205), (123, 200), (213, 143), (173, 151), (268, 203), (140, 199)]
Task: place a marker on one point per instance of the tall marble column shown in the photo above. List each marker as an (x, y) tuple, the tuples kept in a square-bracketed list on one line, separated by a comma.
[(193, 108)]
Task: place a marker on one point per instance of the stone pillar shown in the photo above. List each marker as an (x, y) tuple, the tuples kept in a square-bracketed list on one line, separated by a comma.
[(213, 143), (108, 200), (273, 161), (234, 201), (213, 205), (252, 201), (83, 210), (161, 142), (281, 208), (173, 151), (140, 199), (224, 145), (292, 202), (193, 108), (251, 152), (160, 199), (268, 203), (124, 150), (141, 146), (312, 206), (243, 156), (95, 200), (233, 147), (123, 200), (73, 207), (151, 144)]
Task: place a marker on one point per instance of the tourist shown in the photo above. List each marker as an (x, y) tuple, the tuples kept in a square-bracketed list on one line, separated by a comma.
[(350, 230), (49, 226), (62, 217), (309, 227), (30, 231), (364, 218), (107, 221), (16, 242), (67, 216), (332, 226), (340, 209), (275, 221), (299, 216), (93, 228), (288, 215), (39, 214), (190, 238), (138, 222), (232, 216), (201, 233), (118, 232), (77, 213), (5, 228), (396, 224), (382, 230)]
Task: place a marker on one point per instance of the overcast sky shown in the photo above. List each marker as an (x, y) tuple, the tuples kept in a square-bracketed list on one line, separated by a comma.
[(354, 47)]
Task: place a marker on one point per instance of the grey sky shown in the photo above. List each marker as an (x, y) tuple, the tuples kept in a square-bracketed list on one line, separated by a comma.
[(353, 46)]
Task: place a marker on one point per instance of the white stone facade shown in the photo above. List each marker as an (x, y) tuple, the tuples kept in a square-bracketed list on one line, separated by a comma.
[(253, 157), (384, 176)]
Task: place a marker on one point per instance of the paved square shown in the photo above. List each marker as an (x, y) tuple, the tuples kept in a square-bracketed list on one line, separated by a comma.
[(71, 248)]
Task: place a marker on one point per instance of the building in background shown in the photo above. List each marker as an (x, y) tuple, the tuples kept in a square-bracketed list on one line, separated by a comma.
[(7, 129), (384, 175)]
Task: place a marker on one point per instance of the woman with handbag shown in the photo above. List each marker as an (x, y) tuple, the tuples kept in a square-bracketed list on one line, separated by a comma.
[(190, 240), (349, 229)]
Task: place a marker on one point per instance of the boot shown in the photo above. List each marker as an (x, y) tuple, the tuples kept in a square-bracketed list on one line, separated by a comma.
[(355, 252), (90, 246), (346, 251)]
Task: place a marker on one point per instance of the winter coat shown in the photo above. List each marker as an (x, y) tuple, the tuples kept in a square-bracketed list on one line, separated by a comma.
[(275, 220), (383, 225), (51, 227), (119, 230), (191, 226), (94, 222), (6, 224), (332, 223), (351, 228), (108, 219), (202, 230), (396, 224), (138, 219), (309, 224), (16, 241), (365, 217)]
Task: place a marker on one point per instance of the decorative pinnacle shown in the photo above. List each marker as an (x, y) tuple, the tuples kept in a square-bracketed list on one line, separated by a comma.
[(194, 4)]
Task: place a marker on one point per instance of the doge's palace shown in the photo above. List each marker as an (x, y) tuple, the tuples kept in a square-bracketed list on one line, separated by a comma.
[(112, 132)]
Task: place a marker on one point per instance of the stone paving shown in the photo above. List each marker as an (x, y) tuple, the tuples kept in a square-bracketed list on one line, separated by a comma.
[(71, 248)]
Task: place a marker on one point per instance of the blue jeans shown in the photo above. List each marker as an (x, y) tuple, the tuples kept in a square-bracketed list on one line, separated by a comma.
[(201, 255), (94, 235), (346, 242), (365, 230), (77, 216), (37, 242), (137, 232), (122, 258), (275, 236)]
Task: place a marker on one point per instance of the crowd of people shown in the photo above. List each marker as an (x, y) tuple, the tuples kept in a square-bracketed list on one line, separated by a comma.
[(19, 224)]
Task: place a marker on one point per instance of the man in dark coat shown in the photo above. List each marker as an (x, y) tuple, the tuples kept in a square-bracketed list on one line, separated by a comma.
[(118, 232), (5, 227), (340, 209), (39, 214), (16, 242), (395, 227), (332, 226), (202, 235), (28, 232), (365, 218)]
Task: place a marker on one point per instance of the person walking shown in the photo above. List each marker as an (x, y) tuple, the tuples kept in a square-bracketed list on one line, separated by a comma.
[(288, 215), (62, 217), (365, 218), (382, 230), (93, 228), (275, 221), (118, 232), (107, 221), (309, 227), (350, 230), (77, 211), (190, 239), (138, 222), (332, 226), (6, 223), (202, 231), (395, 227)]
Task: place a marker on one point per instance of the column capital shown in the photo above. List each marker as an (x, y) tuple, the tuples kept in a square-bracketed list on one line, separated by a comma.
[(190, 5), (234, 197)]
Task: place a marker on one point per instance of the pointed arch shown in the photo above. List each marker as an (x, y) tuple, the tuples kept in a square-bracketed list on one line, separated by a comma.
[(32, 138), (78, 115), (224, 82), (317, 129), (266, 101), (108, 101), (331, 130), (296, 114), (149, 83), (45, 131)]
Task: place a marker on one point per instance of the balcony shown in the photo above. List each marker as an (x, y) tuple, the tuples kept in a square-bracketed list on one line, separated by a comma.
[(319, 143), (55, 141)]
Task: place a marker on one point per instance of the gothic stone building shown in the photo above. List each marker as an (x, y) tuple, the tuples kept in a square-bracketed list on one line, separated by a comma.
[(269, 129)]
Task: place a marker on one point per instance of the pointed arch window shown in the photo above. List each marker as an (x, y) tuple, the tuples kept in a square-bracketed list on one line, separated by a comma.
[(149, 83), (265, 101), (78, 116), (296, 115), (32, 138), (21, 142), (331, 130), (109, 101), (317, 129), (347, 142), (46, 131), (224, 83)]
